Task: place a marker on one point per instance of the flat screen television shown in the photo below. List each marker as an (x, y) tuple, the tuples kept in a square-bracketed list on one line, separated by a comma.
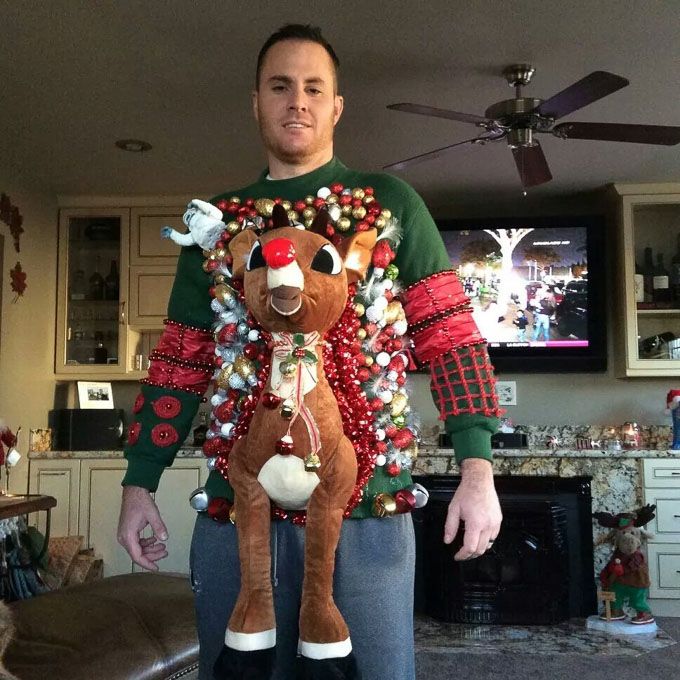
[(537, 287)]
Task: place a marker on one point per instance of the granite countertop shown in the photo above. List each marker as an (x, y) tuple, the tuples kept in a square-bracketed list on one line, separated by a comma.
[(425, 452)]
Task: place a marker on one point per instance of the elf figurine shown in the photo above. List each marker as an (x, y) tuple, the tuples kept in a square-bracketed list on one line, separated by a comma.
[(626, 574)]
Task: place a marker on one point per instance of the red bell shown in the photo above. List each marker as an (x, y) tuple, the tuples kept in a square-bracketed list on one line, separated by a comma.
[(284, 446), (278, 252), (270, 400)]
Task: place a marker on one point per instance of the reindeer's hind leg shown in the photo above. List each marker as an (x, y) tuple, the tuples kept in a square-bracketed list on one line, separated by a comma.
[(324, 636), (250, 638)]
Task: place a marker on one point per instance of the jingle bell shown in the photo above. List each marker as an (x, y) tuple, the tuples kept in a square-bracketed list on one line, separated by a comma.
[(312, 462), (199, 500), (384, 505), (287, 409)]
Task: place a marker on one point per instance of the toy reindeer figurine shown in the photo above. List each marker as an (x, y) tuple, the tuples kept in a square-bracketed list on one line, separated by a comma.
[(626, 574), (295, 452)]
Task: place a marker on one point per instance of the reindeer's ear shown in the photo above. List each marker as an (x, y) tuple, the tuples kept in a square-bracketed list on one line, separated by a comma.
[(239, 247), (356, 251)]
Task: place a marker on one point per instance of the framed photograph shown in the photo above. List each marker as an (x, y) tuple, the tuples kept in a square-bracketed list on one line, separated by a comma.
[(95, 394)]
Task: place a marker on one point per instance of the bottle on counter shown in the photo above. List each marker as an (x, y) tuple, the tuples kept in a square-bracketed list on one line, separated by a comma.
[(101, 354), (648, 274), (661, 289), (201, 429), (96, 283), (111, 282), (675, 275)]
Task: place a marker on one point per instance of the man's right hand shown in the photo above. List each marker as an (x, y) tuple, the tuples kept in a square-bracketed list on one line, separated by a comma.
[(137, 511)]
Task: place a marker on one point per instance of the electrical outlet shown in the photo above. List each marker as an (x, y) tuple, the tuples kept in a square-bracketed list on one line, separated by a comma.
[(507, 392)]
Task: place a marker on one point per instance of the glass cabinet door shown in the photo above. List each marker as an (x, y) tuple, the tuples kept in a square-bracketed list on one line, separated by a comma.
[(92, 315), (651, 243)]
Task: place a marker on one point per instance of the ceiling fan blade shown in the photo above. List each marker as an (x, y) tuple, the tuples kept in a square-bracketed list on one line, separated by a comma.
[(594, 86), (439, 113), (619, 132), (400, 165), (531, 164)]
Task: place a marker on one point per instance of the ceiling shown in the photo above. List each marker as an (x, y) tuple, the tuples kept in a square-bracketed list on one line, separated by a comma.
[(78, 76)]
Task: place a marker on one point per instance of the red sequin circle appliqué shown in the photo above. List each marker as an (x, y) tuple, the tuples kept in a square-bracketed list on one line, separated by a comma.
[(139, 402), (167, 407), (133, 433), (164, 434)]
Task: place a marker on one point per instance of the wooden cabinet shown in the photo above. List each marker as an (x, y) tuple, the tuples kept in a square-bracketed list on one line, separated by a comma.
[(88, 496), (649, 223), (662, 488), (114, 282)]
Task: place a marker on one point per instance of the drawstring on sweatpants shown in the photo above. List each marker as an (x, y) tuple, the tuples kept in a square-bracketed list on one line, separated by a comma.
[(275, 551)]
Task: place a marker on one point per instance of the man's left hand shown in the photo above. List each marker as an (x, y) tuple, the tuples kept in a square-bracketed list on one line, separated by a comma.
[(475, 503)]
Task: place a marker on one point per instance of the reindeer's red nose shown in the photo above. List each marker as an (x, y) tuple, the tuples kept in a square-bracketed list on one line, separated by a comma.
[(278, 252)]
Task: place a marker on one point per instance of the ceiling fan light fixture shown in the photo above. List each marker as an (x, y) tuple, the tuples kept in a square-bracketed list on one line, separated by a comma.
[(133, 145)]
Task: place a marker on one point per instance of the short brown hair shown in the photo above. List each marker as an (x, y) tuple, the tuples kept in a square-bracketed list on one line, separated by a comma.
[(296, 32)]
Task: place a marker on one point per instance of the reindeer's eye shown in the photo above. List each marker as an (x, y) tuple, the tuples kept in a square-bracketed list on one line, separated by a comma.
[(327, 260), (255, 259)]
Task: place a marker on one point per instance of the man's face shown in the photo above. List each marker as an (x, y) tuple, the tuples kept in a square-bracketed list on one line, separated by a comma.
[(296, 105)]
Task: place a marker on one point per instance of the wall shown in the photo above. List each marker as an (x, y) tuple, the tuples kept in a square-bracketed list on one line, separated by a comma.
[(27, 328)]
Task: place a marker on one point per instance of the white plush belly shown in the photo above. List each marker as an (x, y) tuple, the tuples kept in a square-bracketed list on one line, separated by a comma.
[(286, 481)]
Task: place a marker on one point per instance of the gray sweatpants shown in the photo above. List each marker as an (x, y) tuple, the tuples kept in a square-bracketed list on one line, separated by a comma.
[(373, 588)]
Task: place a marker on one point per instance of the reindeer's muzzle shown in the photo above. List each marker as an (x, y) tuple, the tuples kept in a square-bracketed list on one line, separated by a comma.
[(286, 300)]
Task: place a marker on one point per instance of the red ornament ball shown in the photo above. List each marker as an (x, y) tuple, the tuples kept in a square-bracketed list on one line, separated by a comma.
[(270, 400), (218, 509), (393, 469)]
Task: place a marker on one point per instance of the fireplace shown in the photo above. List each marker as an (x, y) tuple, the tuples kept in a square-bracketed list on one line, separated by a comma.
[(540, 569)]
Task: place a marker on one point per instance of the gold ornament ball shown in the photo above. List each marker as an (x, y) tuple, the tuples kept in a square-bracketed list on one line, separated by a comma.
[(386, 213), (343, 224), (361, 334), (286, 205), (346, 210), (243, 366), (293, 216), (265, 206), (358, 193), (219, 278), (359, 309), (368, 199), (309, 213), (235, 199), (359, 213), (224, 293), (368, 361), (398, 404), (332, 198), (233, 227), (308, 221), (220, 253), (309, 200), (380, 222)]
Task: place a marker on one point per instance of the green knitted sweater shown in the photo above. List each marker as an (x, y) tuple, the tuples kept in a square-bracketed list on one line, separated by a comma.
[(421, 253)]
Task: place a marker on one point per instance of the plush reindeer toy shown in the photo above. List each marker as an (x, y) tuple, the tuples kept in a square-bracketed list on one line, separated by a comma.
[(295, 452)]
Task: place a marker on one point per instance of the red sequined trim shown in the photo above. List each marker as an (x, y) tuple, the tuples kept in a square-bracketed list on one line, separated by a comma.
[(139, 403), (183, 360), (167, 407), (164, 434), (439, 316), (133, 433), (477, 380)]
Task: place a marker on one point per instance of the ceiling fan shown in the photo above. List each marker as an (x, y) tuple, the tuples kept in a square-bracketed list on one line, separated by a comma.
[(518, 120)]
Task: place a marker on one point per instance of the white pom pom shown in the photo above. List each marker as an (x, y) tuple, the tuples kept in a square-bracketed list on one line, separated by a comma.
[(217, 399), (374, 315), (253, 335), (380, 460), (387, 284), (400, 326), (334, 212), (324, 193), (226, 429), (385, 396), (378, 271), (380, 434), (382, 359), (380, 303), (392, 376)]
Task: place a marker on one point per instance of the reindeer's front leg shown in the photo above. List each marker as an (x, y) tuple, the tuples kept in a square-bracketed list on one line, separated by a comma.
[(250, 638), (324, 637)]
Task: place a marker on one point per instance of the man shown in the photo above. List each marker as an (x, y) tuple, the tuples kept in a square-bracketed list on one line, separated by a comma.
[(545, 300), (296, 106)]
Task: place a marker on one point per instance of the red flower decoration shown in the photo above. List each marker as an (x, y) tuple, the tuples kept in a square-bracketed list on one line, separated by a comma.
[(139, 402), (133, 433), (18, 278), (164, 434), (167, 407)]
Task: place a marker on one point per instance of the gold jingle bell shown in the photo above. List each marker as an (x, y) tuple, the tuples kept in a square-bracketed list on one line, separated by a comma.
[(398, 404), (232, 515), (288, 368), (312, 462), (384, 505), (287, 409), (392, 311), (224, 293), (223, 377)]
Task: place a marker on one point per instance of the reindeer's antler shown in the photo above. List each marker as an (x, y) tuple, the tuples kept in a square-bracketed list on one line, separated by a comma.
[(320, 223), (644, 515), (606, 519)]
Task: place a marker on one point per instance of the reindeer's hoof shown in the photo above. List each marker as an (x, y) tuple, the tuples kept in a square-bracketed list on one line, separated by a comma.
[(233, 664), (338, 668)]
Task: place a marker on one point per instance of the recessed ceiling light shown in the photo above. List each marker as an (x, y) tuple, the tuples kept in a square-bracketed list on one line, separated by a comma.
[(133, 145)]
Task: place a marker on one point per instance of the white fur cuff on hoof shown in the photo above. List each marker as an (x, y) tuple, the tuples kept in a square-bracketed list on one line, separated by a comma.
[(250, 642), (325, 650)]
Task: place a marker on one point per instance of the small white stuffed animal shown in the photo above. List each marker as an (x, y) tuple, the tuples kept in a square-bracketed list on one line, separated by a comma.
[(204, 222)]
